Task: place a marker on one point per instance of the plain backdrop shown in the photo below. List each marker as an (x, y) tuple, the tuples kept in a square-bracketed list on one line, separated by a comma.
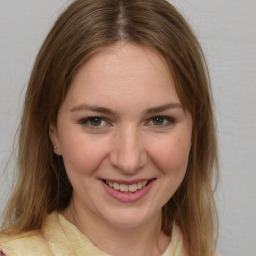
[(227, 32)]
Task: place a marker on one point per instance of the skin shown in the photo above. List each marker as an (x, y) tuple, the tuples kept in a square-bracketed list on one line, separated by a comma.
[(126, 142)]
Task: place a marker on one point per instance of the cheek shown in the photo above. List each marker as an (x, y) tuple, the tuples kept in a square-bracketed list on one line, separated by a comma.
[(172, 155), (82, 155)]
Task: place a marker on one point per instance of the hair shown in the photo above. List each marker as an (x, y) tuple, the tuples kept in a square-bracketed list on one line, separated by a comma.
[(83, 29)]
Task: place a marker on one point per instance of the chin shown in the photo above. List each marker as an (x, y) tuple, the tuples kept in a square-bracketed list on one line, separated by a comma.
[(130, 218)]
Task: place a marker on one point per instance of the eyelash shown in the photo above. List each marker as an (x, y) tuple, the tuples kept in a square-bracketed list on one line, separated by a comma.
[(168, 121), (86, 121)]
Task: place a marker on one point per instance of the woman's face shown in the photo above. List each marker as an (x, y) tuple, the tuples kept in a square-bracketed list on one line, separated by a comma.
[(124, 136)]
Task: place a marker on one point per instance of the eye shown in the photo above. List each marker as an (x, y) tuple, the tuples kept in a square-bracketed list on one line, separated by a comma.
[(94, 122), (161, 121), (158, 120)]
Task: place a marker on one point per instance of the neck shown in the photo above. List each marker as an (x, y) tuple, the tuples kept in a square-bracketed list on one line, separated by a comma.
[(146, 239)]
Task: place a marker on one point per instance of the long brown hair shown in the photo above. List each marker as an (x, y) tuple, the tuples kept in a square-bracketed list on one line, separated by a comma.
[(83, 29)]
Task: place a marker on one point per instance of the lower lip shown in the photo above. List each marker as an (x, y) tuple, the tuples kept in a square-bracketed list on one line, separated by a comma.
[(128, 197)]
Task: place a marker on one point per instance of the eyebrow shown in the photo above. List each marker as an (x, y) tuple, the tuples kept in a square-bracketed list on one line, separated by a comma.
[(162, 108), (99, 109), (104, 110)]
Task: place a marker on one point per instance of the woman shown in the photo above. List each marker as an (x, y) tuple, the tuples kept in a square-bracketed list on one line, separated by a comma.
[(117, 145)]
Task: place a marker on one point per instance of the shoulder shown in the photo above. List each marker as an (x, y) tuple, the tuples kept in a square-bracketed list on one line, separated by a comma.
[(28, 243), (44, 242), (177, 246)]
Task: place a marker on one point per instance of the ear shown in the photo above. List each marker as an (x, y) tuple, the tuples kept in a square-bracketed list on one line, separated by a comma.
[(54, 137)]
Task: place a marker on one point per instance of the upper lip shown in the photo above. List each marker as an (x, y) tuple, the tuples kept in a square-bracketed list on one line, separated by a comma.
[(126, 182)]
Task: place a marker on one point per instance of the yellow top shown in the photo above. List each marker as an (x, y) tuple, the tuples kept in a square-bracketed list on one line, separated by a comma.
[(58, 237)]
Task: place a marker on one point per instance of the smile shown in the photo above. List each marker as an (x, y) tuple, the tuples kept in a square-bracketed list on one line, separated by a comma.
[(128, 192), (126, 188)]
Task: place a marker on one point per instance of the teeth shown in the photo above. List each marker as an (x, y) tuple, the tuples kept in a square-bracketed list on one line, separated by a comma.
[(123, 188), (126, 188), (133, 187), (116, 186)]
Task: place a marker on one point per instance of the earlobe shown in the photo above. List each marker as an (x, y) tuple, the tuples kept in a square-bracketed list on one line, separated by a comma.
[(54, 139)]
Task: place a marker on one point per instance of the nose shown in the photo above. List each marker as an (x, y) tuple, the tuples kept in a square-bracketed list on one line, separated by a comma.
[(128, 153)]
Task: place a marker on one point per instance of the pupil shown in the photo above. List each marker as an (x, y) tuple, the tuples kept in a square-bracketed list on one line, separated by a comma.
[(95, 121), (158, 120)]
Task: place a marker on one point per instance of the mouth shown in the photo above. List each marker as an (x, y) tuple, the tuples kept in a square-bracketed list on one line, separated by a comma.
[(128, 188)]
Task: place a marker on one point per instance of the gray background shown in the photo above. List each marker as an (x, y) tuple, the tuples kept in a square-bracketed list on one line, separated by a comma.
[(227, 32)]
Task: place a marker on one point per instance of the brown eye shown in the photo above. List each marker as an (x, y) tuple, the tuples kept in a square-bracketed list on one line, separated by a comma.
[(95, 121), (159, 120)]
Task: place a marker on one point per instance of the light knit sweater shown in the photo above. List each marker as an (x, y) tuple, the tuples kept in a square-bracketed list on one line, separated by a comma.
[(58, 237)]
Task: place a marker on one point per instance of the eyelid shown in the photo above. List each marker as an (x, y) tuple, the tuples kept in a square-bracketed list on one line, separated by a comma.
[(169, 119), (85, 122)]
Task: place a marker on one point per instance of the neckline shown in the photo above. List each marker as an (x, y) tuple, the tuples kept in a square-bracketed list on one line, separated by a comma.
[(78, 240)]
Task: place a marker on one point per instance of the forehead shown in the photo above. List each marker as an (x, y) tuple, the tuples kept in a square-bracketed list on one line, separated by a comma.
[(123, 72)]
